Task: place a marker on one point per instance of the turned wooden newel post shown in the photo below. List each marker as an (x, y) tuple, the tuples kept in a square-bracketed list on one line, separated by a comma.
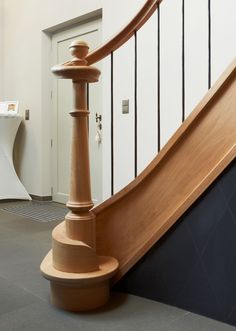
[(80, 223), (79, 278)]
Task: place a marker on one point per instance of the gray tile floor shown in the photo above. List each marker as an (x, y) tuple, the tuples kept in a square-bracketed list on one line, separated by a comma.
[(24, 293)]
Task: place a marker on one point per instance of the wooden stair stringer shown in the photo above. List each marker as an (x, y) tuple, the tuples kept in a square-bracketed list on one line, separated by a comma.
[(133, 220)]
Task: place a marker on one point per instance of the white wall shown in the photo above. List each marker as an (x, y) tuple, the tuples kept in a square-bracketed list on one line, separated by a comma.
[(1, 47), (27, 63), (25, 80), (223, 35), (223, 26)]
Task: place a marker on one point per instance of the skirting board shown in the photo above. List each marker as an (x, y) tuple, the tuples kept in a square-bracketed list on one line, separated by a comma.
[(41, 198)]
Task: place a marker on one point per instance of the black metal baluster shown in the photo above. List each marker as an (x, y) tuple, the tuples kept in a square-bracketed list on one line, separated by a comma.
[(158, 82), (88, 95), (135, 106), (88, 102), (183, 61), (112, 128), (209, 43)]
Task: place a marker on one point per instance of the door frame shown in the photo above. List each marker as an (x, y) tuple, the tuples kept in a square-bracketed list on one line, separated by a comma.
[(62, 35)]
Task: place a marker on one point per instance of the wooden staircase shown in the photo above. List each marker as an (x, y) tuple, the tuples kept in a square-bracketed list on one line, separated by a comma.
[(95, 245), (133, 220)]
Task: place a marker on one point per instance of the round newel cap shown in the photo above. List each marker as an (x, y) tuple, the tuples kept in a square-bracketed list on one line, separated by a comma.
[(77, 69), (79, 50)]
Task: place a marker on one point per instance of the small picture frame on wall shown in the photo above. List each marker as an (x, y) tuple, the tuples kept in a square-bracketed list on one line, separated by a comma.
[(9, 107)]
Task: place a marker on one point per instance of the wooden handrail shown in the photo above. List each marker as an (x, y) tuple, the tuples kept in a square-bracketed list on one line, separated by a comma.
[(125, 34), (130, 222), (175, 139)]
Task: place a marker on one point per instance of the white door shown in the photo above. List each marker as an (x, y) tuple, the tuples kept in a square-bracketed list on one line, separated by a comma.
[(62, 123)]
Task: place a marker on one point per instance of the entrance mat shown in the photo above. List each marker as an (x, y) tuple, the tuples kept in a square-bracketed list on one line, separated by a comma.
[(37, 211)]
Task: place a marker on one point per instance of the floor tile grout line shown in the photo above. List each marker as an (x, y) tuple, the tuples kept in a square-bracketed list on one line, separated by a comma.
[(186, 313), (22, 288)]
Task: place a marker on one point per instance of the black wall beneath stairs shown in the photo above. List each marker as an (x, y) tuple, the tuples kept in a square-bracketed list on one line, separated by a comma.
[(194, 265)]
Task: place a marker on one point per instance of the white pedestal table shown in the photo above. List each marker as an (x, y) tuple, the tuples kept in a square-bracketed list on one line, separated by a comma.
[(10, 185)]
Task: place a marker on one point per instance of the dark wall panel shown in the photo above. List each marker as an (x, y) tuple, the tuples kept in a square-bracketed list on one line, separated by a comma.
[(194, 265)]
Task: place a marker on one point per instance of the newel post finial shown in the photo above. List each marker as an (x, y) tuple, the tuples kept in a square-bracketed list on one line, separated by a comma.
[(79, 277), (79, 50)]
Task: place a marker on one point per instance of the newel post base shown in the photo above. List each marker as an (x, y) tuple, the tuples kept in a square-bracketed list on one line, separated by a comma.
[(79, 298), (80, 291), (79, 278)]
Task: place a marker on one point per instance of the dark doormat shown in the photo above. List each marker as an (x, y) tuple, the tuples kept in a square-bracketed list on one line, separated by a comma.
[(37, 210)]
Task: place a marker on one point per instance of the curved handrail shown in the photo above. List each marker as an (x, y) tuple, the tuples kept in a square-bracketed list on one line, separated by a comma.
[(212, 93), (125, 34), (130, 222)]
